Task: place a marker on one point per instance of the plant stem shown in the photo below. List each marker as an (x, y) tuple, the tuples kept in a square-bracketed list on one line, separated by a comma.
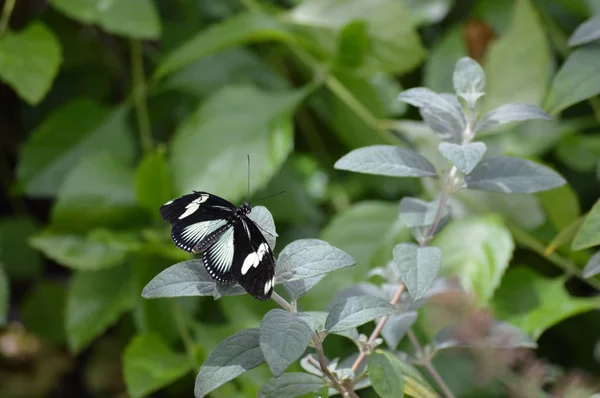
[(426, 362), (7, 10), (184, 333), (139, 95), (282, 302), (345, 392)]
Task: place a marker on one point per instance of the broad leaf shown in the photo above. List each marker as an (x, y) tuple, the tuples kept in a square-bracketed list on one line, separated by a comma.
[(511, 174), (95, 301), (517, 64), (586, 32), (356, 311), (70, 134), (419, 215), (231, 358), (153, 183), (589, 233), (42, 311), (290, 385), (133, 18), (394, 43), (509, 113), (99, 248), (535, 303), (261, 216), (497, 335), (396, 327), (579, 152), (415, 385), (19, 259), (385, 373), (188, 278), (201, 151), (299, 288), (386, 160), (561, 206), (592, 268), (575, 80), (469, 81), (353, 45), (307, 258), (283, 339), (4, 296), (29, 61), (464, 157), (476, 250), (441, 115), (418, 267), (149, 364)]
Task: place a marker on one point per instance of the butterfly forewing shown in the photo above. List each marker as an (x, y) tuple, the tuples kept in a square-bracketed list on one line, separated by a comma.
[(197, 206)]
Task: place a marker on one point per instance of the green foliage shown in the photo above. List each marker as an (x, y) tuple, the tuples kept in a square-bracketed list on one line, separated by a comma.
[(386, 375)]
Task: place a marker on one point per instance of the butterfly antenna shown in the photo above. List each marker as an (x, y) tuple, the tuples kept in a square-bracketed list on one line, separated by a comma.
[(248, 195), (269, 196)]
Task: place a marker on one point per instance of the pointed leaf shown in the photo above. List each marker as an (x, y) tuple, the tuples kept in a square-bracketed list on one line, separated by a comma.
[(476, 250), (509, 113), (356, 311), (464, 157), (307, 258), (510, 174), (386, 160), (231, 358), (418, 267), (586, 32), (149, 364), (29, 61), (20, 260), (283, 339), (386, 375), (396, 327), (290, 385), (469, 80), (299, 288), (153, 182), (415, 212), (589, 233), (592, 268)]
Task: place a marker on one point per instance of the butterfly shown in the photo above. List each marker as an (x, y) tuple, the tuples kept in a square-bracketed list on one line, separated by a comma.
[(232, 246)]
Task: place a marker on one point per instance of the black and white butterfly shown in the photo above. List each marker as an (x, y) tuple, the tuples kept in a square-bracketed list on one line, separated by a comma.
[(232, 246)]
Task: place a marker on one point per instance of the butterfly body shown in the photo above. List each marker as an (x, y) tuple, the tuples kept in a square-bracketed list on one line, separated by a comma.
[(232, 246)]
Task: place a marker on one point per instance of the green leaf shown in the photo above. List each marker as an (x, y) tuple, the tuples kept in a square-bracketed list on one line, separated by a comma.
[(107, 202), (240, 29), (356, 311), (95, 301), (592, 268), (353, 45), (418, 267), (586, 32), (29, 61), (19, 259), (579, 152), (4, 295), (97, 249), (43, 311), (561, 206), (395, 45), (386, 375), (576, 79), (153, 183), (132, 18), (68, 135), (291, 385), (517, 65), (535, 303), (415, 384), (149, 364), (440, 63), (201, 151), (477, 250), (589, 233)]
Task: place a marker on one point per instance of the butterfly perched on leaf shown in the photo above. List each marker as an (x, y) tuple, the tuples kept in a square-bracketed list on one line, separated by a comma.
[(232, 246)]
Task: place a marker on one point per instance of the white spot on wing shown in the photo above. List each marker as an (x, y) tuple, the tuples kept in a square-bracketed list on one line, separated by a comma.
[(194, 233), (194, 205), (169, 202), (254, 258)]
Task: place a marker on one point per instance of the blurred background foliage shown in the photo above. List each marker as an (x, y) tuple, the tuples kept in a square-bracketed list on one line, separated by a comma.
[(111, 108)]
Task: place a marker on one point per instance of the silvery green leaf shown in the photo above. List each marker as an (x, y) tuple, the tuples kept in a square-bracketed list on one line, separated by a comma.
[(593, 266), (419, 216), (464, 157), (418, 267), (309, 362), (307, 258), (188, 278), (231, 358), (439, 114), (396, 327), (499, 335), (469, 80), (299, 288), (291, 385), (586, 32), (316, 320), (510, 174), (356, 311), (453, 99), (387, 160), (283, 339), (510, 113), (360, 289), (261, 216)]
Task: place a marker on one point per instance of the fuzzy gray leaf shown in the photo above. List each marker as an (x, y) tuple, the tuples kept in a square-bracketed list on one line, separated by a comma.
[(510, 113), (593, 266), (356, 311), (469, 80), (464, 157), (291, 385), (299, 288), (586, 32), (386, 160), (396, 327), (418, 267), (499, 335)]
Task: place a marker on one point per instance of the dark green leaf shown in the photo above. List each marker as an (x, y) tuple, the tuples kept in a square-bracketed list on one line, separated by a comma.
[(561, 206), (43, 311), (29, 61), (153, 183), (95, 301), (68, 135), (132, 18), (386, 375), (418, 267), (149, 364), (4, 296), (353, 45), (579, 152), (589, 233), (291, 385), (19, 259)]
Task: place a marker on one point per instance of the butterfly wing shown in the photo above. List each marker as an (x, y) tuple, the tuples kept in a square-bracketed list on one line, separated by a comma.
[(253, 260)]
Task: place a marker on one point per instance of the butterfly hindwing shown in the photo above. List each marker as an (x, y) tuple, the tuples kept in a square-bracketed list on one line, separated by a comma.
[(218, 257)]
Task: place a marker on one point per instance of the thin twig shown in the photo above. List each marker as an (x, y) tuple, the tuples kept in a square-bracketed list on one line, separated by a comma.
[(7, 10), (426, 362), (345, 392), (282, 302), (139, 96)]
